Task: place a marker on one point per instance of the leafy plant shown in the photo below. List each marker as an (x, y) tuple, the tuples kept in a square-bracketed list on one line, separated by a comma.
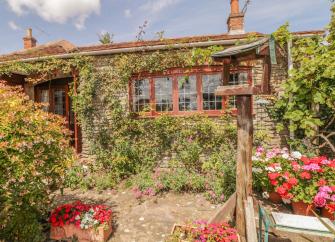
[(34, 155)]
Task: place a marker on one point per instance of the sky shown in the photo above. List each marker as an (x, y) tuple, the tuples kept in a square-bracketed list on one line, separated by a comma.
[(81, 21)]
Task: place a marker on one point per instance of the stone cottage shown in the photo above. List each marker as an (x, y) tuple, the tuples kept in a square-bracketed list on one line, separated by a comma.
[(162, 90)]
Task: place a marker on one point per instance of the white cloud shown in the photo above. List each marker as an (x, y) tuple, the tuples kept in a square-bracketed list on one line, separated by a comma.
[(58, 11), (127, 13), (155, 6), (13, 25)]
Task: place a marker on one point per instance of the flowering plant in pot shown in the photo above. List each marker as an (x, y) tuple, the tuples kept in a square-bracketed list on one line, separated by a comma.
[(313, 174), (270, 172), (202, 231), (86, 222), (325, 199)]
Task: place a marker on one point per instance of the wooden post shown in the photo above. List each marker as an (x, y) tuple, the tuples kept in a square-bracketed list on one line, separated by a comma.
[(244, 165)]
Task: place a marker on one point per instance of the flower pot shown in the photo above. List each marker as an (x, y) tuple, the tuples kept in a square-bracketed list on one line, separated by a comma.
[(325, 213), (301, 208), (99, 234), (274, 197)]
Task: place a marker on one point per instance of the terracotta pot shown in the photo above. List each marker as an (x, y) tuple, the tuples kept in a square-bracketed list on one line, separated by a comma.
[(325, 213), (274, 197), (99, 234), (301, 208)]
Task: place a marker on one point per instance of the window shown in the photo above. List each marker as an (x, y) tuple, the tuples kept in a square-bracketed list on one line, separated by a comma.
[(59, 101), (209, 84), (163, 94), (187, 91), (181, 92), (238, 78), (45, 99), (141, 96)]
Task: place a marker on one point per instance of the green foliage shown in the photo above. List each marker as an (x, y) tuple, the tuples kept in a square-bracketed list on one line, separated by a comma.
[(307, 105), (34, 154), (106, 38)]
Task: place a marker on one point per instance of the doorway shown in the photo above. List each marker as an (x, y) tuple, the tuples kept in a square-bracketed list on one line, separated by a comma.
[(54, 94)]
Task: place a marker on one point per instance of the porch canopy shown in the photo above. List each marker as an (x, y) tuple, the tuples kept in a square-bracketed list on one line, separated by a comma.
[(246, 54)]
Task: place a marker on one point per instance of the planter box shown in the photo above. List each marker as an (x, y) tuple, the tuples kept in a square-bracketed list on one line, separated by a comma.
[(99, 234)]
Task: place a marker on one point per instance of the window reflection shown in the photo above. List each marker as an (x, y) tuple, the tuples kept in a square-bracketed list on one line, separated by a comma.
[(187, 87), (163, 94), (141, 95), (209, 85)]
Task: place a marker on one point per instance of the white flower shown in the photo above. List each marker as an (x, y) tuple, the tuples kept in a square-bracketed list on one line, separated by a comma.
[(296, 154), (270, 169), (285, 156), (85, 167), (265, 195), (77, 217), (278, 168), (256, 170), (286, 201), (253, 158)]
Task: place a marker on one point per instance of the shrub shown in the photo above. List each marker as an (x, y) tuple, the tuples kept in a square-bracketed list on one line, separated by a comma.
[(34, 153)]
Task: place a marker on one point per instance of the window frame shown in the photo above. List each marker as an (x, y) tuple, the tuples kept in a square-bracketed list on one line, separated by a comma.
[(174, 73)]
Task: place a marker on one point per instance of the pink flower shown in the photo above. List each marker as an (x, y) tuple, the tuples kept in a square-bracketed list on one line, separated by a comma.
[(311, 167), (293, 181), (260, 149), (319, 200), (325, 189), (332, 198)]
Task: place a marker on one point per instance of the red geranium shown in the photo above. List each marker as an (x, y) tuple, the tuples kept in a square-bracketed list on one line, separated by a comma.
[(293, 181), (282, 191), (305, 175), (273, 176)]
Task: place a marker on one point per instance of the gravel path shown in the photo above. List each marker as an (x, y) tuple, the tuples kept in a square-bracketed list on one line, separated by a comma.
[(149, 221)]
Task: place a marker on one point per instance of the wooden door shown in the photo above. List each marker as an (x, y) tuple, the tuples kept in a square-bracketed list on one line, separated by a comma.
[(56, 99)]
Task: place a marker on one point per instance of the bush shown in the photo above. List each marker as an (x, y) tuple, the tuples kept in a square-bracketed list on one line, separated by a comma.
[(34, 154)]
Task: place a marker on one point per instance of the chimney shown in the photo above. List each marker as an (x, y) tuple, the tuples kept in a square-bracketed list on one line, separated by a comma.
[(236, 19), (29, 41)]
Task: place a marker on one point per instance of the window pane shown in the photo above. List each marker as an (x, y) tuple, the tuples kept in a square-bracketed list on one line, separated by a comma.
[(44, 98), (59, 99), (187, 87), (240, 78), (163, 94), (209, 85), (141, 95)]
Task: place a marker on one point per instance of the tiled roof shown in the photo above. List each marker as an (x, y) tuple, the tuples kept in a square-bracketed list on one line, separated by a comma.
[(48, 49), (64, 47)]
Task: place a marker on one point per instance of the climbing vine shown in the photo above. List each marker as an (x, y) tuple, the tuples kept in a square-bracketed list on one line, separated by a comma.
[(124, 145), (307, 106)]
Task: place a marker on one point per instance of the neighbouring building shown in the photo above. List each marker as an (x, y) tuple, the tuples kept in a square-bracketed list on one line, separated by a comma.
[(162, 89)]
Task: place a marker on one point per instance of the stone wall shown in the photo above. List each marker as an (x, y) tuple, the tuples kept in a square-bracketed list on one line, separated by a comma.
[(262, 121)]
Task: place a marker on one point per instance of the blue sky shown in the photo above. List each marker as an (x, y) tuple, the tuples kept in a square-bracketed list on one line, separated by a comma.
[(80, 21)]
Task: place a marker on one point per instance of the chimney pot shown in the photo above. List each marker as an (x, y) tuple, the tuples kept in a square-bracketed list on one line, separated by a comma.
[(236, 19), (29, 41)]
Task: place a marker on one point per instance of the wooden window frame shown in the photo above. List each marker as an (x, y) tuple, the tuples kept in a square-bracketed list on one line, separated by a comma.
[(174, 73)]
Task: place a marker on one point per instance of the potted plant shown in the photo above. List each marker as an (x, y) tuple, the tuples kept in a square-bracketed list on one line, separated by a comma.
[(325, 199), (86, 222), (203, 231), (269, 171)]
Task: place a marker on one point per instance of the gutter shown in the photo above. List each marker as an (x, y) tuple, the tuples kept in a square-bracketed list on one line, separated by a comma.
[(130, 50)]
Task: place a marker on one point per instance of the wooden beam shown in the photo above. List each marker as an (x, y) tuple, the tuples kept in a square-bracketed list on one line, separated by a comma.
[(266, 75), (250, 220), (237, 90), (244, 165), (226, 212)]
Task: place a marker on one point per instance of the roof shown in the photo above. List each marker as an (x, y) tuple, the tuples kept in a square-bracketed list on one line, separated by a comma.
[(61, 47), (240, 48), (48, 49)]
